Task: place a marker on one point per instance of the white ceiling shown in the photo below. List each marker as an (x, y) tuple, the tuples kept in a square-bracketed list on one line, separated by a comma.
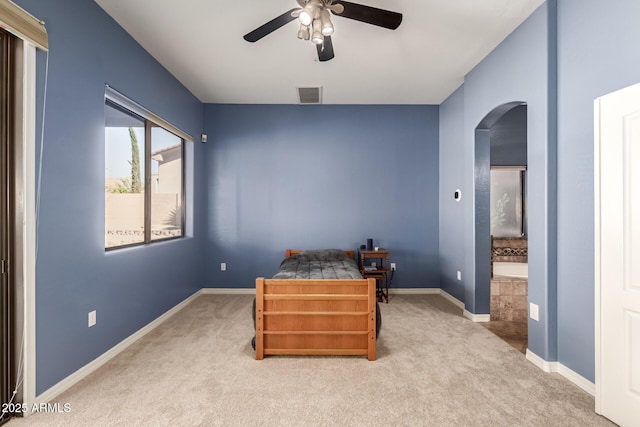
[(422, 62)]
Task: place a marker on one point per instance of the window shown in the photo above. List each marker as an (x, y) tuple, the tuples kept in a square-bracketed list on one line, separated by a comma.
[(144, 175)]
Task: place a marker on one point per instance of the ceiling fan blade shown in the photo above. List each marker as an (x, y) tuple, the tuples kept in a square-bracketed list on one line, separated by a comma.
[(270, 26), (325, 50), (370, 15)]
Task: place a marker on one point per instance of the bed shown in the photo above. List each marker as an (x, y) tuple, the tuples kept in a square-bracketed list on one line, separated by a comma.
[(317, 304)]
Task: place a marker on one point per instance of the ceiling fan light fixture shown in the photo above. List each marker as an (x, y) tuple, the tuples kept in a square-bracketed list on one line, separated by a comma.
[(305, 18), (317, 37), (303, 32), (307, 14), (327, 26)]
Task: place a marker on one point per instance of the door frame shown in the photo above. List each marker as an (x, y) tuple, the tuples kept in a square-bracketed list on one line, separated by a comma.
[(596, 251), (30, 34), (7, 308), (21, 226)]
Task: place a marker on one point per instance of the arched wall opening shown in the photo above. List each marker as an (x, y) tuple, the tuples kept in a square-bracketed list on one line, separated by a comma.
[(482, 210)]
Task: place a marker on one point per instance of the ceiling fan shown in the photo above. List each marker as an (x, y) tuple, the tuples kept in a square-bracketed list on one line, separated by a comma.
[(315, 22)]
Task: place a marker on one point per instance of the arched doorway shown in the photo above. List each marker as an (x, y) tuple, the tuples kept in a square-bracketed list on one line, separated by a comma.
[(501, 156)]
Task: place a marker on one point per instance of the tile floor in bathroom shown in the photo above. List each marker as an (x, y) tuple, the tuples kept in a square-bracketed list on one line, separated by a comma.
[(509, 311), (513, 333)]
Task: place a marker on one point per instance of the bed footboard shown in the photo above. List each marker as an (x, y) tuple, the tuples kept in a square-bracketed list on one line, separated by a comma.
[(321, 317)]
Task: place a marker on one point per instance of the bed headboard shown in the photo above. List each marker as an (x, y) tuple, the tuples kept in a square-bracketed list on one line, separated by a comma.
[(290, 252)]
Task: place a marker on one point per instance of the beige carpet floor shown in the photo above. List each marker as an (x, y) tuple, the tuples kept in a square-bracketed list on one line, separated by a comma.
[(434, 368)]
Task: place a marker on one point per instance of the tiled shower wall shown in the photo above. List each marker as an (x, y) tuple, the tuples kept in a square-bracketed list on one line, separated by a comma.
[(509, 298)]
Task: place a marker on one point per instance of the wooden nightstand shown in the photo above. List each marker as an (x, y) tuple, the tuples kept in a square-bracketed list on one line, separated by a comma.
[(380, 272)]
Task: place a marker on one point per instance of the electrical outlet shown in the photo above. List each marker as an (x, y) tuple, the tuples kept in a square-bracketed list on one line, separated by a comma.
[(534, 311), (459, 275), (393, 266), (223, 266), (92, 318)]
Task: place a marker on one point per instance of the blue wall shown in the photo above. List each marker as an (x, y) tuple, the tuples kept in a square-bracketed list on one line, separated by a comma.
[(520, 69), (509, 138), (128, 288), (321, 176), (452, 237), (597, 54)]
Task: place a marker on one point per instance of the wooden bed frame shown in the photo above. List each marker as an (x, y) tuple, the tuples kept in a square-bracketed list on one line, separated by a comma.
[(315, 317)]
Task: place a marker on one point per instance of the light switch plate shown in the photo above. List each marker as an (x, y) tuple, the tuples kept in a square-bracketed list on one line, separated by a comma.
[(91, 318), (534, 311)]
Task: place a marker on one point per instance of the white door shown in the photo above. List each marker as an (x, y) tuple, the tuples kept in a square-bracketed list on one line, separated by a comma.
[(617, 255)]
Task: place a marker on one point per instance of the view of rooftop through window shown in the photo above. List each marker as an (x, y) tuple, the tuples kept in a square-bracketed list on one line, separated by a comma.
[(127, 185)]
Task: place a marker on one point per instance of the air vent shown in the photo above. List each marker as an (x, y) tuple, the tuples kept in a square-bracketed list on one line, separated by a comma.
[(310, 95)]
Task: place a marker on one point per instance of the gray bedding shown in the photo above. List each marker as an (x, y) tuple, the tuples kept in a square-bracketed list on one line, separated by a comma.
[(319, 264)]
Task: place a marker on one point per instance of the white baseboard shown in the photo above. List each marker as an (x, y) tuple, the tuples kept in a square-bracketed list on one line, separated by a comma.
[(229, 291), (60, 387), (453, 300), (577, 379), (414, 291), (559, 368), (252, 291), (541, 363), (478, 318)]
